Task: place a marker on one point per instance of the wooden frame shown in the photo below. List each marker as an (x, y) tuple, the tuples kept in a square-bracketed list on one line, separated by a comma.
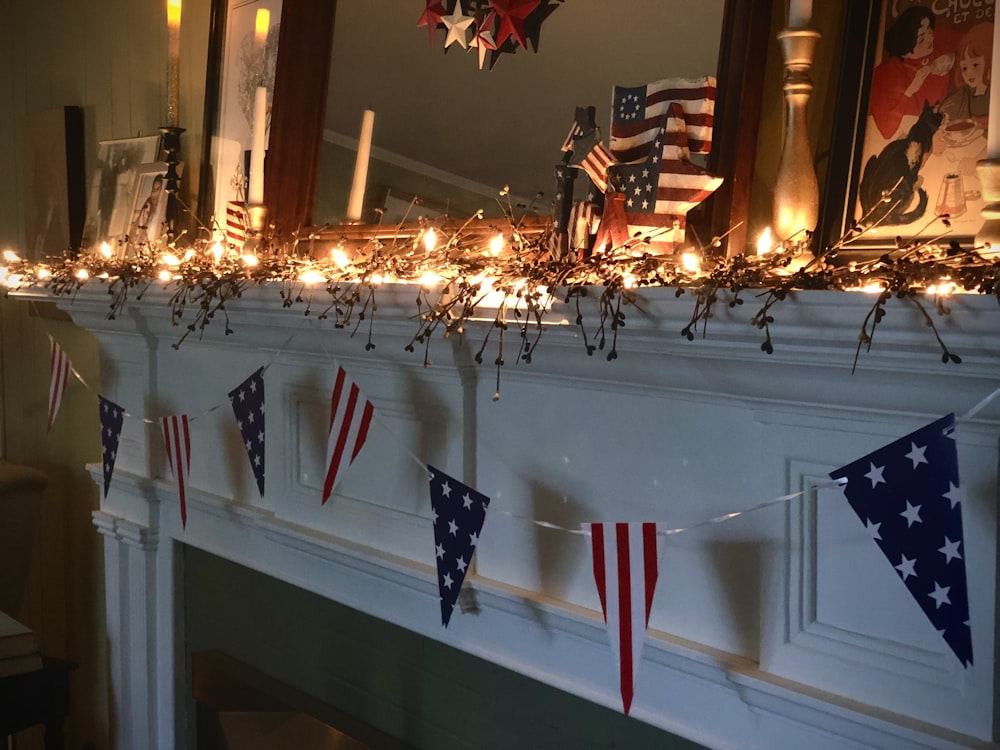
[(866, 151), (299, 105), (235, 67)]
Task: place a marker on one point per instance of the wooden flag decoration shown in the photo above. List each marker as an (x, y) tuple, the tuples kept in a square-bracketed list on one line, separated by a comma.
[(625, 570)]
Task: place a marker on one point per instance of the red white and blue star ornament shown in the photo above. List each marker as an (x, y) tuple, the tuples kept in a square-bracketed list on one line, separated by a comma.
[(457, 25), (511, 15), (482, 37), (432, 18), (458, 512)]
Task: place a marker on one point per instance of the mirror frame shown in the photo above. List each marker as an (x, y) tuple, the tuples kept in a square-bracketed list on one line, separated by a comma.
[(299, 106)]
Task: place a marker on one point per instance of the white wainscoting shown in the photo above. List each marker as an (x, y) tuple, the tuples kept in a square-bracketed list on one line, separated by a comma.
[(782, 628)]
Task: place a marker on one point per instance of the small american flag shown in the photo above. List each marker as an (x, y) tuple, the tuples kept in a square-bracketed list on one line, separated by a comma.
[(112, 420), (637, 115), (59, 372), (177, 438), (236, 232), (248, 408), (596, 164), (350, 416), (459, 513), (625, 569), (661, 189), (907, 495)]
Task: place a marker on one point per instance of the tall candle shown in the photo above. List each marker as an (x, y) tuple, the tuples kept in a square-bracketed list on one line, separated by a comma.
[(361, 167), (993, 126), (173, 62), (799, 14), (255, 191)]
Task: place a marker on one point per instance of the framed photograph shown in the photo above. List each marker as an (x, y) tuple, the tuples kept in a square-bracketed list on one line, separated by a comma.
[(110, 190), (240, 62), (147, 208), (915, 111)]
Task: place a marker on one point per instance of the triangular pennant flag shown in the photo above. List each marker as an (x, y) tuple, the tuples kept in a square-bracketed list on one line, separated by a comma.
[(59, 371), (248, 407), (907, 495), (350, 416), (112, 419), (177, 438), (459, 513), (626, 559)]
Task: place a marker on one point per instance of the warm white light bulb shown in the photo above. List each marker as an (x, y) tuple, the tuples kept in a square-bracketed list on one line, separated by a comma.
[(764, 242), (691, 262), (106, 250), (171, 260), (312, 276), (430, 239), (496, 245), (340, 257), (82, 274), (250, 259), (217, 251), (10, 256)]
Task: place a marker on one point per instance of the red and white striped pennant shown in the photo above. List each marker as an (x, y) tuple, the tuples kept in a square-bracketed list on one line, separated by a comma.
[(350, 416), (626, 559), (59, 372), (177, 438)]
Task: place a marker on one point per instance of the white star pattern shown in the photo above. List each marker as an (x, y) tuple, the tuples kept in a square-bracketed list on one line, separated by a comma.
[(940, 594), (466, 501), (875, 474), (447, 580), (906, 567), (873, 529), (446, 489), (452, 528), (473, 539), (462, 564), (917, 454), (439, 550), (954, 494), (950, 550), (911, 514)]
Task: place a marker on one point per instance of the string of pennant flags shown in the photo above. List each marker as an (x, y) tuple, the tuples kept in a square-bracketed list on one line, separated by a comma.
[(906, 494)]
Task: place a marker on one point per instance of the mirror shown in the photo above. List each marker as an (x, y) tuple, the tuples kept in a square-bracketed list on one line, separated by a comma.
[(534, 93), (453, 134)]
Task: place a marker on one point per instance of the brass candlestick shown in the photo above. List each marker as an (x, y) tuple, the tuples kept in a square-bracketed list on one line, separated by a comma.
[(796, 190), (988, 171)]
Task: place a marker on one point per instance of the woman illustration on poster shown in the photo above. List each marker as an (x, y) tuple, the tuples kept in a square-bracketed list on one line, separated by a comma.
[(919, 56)]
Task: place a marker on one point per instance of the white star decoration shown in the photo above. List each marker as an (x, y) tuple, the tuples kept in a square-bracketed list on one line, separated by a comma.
[(875, 474), (953, 494), (447, 580), (873, 529), (457, 25), (911, 514), (452, 528), (466, 500), (439, 550), (462, 564), (446, 489), (940, 594), (917, 454), (905, 567), (950, 550)]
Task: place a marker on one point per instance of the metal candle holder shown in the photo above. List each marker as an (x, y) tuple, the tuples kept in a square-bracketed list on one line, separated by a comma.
[(171, 145)]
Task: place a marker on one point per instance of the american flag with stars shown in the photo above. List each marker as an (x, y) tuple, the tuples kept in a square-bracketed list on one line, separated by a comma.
[(626, 562), (112, 420), (637, 115), (661, 189), (907, 495), (248, 408), (459, 512)]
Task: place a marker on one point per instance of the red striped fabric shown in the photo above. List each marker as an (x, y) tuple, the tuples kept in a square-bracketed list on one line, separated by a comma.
[(177, 438), (236, 233), (637, 114), (596, 164), (350, 417), (625, 570), (59, 372)]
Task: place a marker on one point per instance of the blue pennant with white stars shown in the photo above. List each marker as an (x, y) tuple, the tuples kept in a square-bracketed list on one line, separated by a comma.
[(459, 513), (112, 419), (907, 495), (248, 407)]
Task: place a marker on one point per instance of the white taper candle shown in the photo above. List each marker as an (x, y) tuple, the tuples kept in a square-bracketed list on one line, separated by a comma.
[(357, 198)]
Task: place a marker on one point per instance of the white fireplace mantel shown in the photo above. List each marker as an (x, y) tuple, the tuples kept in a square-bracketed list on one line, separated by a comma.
[(783, 628)]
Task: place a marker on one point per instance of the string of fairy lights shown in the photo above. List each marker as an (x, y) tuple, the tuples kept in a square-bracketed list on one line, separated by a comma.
[(510, 267)]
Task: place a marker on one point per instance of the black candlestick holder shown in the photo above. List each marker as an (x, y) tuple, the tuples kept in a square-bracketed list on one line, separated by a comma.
[(171, 147)]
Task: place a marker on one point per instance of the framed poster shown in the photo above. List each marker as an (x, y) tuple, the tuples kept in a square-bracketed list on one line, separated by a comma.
[(110, 190), (147, 208), (914, 106), (246, 60)]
